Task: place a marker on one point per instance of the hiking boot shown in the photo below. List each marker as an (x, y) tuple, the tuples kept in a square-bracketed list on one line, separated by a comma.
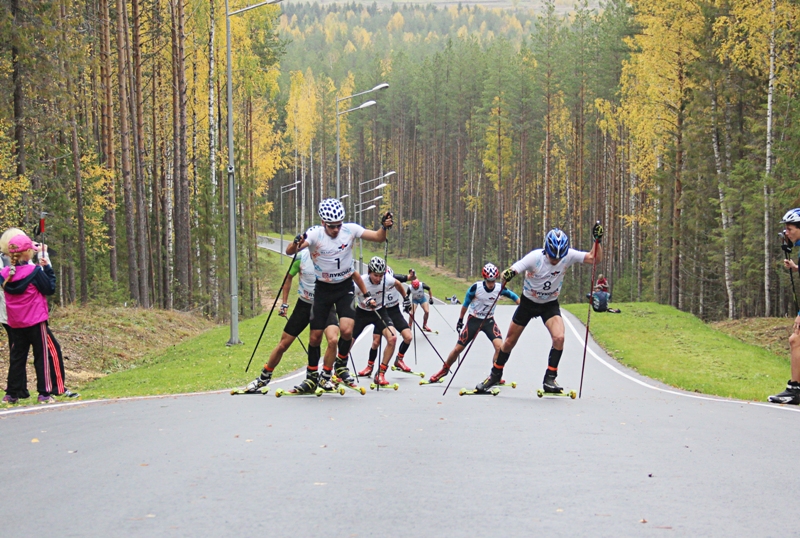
[(790, 396), (400, 365), (367, 372)]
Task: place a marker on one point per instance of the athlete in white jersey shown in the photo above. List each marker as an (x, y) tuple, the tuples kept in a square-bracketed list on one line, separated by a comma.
[(392, 305), (544, 272), (479, 303), (331, 248), (299, 320), (417, 291)]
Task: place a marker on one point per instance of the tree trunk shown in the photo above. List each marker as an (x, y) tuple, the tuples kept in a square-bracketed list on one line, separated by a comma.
[(768, 169), (213, 283), (110, 155)]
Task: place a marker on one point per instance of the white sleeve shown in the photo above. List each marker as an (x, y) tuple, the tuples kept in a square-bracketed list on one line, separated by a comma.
[(575, 257), (389, 281), (526, 263), (356, 229), (312, 235)]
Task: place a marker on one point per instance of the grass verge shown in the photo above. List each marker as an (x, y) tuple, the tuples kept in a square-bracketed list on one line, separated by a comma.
[(680, 350)]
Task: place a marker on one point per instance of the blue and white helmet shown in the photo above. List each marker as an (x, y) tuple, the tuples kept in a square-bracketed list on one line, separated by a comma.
[(331, 210), (556, 243), (792, 216)]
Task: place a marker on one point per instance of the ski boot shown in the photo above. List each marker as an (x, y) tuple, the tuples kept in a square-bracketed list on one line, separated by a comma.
[(325, 382), (344, 376), (427, 329), (550, 385), (400, 365), (790, 396), (380, 379), (256, 384), (487, 384), (439, 376), (367, 372), (308, 385)]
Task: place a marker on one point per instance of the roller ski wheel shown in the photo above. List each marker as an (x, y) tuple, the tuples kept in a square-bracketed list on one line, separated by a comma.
[(320, 391), (474, 392), (429, 382), (566, 394), (361, 390), (281, 392), (374, 386), (262, 391), (504, 383), (418, 374)]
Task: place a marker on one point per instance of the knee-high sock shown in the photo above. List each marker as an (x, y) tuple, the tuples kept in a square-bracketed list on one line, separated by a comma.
[(373, 354), (344, 347), (313, 357), (401, 352), (554, 359)]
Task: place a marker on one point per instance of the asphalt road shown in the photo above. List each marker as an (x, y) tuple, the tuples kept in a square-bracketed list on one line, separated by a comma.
[(630, 458)]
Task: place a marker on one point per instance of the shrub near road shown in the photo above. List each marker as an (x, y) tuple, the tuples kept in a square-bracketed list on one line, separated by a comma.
[(680, 350)]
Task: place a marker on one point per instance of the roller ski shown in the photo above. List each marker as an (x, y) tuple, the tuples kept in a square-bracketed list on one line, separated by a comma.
[(307, 387), (550, 387), (327, 386), (487, 386), (343, 378), (494, 391), (503, 383), (257, 386), (438, 377), (429, 330), (381, 383), (367, 372), (400, 366), (790, 396)]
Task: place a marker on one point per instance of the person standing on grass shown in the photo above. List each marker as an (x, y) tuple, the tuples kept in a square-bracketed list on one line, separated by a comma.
[(480, 302), (299, 320), (544, 274), (331, 248), (791, 395)]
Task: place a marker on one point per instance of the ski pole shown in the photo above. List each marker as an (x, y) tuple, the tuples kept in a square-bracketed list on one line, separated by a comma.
[(787, 250), (588, 316), (431, 343), (414, 336), (461, 361), (440, 315), (277, 296)]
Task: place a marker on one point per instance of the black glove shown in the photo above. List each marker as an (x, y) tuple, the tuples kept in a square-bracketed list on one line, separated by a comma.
[(786, 243), (387, 221), (508, 274), (407, 304), (597, 232), (459, 325), (284, 308), (369, 301), (300, 238)]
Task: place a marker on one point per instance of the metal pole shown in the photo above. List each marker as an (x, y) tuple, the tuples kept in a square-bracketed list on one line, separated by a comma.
[(281, 226), (234, 271), (360, 247), (338, 193)]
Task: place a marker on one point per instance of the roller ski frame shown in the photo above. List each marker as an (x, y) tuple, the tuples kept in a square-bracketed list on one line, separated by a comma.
[(564, 394), (394, 386), (337, 389), (418, 374), (504, 383), (358, 388), (494, 391), (281, 392), (262, 391), (428, 382)]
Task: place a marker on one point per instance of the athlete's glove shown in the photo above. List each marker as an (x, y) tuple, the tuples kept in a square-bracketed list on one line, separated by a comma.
[(459, 325), (300, 238), (387, 221), (597, 232), (407, 304), (369, 301), (786, 243), (284, 308), (508, 274)]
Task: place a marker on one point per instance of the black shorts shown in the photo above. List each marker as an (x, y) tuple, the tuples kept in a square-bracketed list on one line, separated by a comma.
[(370, 317), (470, 330), (398, 320), (301, 317), (326, 296), (527, 310)]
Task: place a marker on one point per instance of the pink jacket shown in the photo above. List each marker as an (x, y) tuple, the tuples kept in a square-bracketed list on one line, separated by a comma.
[(28, 308)]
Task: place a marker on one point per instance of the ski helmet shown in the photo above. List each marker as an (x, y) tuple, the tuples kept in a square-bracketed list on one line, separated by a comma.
[(377, 265), (556, 243), (331, 210), (415, 284), (489, 272), (792, 216)]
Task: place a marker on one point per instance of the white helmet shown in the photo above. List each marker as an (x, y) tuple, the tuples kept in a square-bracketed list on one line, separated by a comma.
[(331, 210), (792, 216), (377, 265)]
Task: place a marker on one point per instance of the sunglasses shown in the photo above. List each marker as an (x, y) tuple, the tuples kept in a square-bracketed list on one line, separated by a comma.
[(333, 226)]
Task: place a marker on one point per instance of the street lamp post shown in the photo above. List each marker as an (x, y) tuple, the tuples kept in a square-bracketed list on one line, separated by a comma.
[(234, 270), (361, 207), (284, 190), (381, 86)]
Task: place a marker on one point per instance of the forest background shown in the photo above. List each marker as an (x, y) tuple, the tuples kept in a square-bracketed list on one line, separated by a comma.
[(673, 122)]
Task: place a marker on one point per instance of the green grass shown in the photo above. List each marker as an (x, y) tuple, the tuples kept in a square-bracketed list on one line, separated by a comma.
[(205, 362), (680, 350)]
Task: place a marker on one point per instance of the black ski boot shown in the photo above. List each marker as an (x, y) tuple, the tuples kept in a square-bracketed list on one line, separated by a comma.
[(487, 384), (308, 385), (790, 396), (345, 377), (550, 385)]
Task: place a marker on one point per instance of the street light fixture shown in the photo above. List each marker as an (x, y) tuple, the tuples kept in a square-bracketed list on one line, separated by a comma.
[(381, 86), (284, 190), (361, 203), (234, 270)]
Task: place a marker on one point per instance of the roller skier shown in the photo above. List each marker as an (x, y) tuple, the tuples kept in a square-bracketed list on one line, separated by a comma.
[(544, 274)]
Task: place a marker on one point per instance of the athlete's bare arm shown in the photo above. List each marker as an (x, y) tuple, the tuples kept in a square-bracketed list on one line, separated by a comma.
[(595, 253)]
